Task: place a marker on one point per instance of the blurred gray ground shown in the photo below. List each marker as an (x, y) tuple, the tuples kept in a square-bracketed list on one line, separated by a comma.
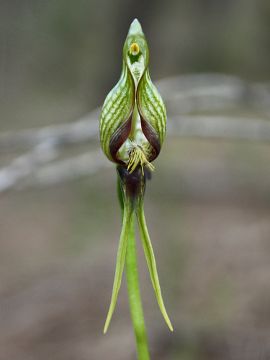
[(209, 218), (208, 204)]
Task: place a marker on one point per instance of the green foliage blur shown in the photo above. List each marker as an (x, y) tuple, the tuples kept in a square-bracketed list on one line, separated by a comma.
[(59, 58)]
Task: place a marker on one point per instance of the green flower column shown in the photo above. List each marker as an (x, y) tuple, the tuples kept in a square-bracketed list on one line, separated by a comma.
[(132, 130)]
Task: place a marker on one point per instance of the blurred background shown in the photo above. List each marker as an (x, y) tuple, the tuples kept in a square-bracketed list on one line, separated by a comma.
[(208, 204)]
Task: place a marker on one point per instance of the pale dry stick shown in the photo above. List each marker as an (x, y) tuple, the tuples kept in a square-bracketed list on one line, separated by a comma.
[(61, 171), (26, 164), (32, 173), (79, 131), (220, 127), (213, 86), (183, 94)]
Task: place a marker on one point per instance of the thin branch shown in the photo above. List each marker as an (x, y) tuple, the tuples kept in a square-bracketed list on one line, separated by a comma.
[(25, 165), (79, 131), (183, 95), (220, 127), (34, 169), (69, 169)]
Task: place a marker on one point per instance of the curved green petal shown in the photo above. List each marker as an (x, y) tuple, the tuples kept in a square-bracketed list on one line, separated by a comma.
[(120, 260), (117, 110), (151, 106), (151, 262)]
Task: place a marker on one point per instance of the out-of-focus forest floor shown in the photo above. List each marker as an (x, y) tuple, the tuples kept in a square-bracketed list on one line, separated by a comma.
[(208, 204), (208, 208)]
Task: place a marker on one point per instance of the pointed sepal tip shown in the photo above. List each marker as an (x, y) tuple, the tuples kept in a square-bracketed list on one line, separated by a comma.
[(135, 28)]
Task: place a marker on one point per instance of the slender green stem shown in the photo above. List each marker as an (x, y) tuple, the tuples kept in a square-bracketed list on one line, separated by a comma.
[(135, 297)]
